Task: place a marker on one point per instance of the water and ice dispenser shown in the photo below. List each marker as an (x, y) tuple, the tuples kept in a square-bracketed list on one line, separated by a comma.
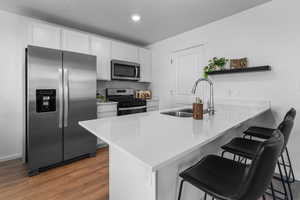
[(45, 100)]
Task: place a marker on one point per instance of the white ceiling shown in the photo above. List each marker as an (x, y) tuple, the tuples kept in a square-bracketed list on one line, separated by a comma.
[(160, 18)]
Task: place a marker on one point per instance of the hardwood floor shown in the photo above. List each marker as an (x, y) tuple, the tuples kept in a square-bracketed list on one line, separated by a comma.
[(85, 180)]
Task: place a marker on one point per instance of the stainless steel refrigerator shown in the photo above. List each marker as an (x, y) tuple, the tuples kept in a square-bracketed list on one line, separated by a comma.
[(60, 92)]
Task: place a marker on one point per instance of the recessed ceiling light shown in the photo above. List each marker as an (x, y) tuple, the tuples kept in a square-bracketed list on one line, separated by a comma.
[(136, 17)]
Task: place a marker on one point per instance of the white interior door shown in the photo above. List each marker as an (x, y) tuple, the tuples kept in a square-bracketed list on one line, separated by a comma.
[(189, 67)]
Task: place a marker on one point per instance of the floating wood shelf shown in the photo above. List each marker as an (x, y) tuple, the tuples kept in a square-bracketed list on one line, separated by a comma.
[(241, 70)]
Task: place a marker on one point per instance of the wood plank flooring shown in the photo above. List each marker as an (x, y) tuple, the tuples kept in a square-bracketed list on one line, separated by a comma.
[(86, 179)]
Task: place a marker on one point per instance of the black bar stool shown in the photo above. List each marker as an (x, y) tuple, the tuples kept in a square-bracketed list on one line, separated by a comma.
[(247, 148), (225, 179), (265, 133)]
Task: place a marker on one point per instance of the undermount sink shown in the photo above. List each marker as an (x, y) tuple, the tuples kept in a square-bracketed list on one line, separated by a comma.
[(178, 114), (186, 112)]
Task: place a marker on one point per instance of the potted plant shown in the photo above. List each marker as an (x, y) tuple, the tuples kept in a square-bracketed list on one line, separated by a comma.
[(215, 64)]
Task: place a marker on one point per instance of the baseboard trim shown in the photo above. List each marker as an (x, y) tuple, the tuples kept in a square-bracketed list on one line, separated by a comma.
[(11, 157), (101, 145), (19, 155)]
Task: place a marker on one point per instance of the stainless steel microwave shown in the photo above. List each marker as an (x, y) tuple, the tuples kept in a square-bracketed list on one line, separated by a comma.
[(123, 70)]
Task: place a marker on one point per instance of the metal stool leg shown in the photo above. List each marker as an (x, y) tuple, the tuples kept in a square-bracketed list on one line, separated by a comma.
[(180, 189), (223, 154), (282, 181), (234, 156), (273, 193), (290, 165), (286, 178)]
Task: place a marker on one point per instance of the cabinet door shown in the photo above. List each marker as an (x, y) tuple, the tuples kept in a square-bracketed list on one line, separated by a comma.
[(45, 35), (126, 52), (102, 49), (75, 41), (145, 60)]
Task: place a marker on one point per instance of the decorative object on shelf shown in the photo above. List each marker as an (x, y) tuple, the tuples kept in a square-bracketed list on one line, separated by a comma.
[(214, 65), (241, 70), (143, 94), (238, 63)]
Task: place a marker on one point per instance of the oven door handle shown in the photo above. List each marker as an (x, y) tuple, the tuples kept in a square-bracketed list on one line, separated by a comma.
[(136, 72), (132, 108)]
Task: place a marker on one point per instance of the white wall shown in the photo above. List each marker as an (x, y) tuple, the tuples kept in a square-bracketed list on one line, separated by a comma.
[(12, 48), (267, 35)]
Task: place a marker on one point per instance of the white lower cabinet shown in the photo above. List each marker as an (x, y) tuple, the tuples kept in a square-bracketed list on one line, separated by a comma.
[(152, 105), (105, 110)]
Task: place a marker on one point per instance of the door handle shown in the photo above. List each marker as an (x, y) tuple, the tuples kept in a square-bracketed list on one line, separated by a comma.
[(133, 108), (60, 99), (136, 72), (66, 97)]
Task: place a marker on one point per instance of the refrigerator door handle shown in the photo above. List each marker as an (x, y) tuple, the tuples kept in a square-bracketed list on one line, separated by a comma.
[(66, 97), (60, 91)]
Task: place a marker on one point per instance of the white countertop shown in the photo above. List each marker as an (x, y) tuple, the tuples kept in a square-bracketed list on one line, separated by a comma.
[(155, 139)]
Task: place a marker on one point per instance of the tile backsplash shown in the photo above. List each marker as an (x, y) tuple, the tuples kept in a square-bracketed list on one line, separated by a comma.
[(102, 85)]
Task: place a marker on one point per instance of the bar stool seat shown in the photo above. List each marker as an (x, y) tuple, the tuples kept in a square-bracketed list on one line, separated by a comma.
[(243, 147), (216, 176), (247, 148), (226, 179), (259, 132)]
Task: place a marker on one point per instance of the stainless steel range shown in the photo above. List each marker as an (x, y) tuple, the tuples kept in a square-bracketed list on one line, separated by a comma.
[(127, 104)]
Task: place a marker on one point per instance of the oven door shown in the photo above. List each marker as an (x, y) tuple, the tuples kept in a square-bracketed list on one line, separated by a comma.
[(132, 110), (122, 70)]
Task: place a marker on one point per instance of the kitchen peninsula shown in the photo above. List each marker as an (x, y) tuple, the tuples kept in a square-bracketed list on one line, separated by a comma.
[(148, 150)]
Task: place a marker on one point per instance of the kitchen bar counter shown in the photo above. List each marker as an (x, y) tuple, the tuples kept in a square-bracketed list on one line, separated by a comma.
[(156, 139), (145, 147)]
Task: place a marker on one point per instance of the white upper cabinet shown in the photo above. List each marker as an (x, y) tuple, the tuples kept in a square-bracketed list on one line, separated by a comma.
[(45, 35), (145, 60), (102, 49), (75, 41), (126, 52)]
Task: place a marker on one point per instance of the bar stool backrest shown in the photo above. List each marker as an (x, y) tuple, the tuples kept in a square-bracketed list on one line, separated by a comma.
[(291, 113), (260, 172), (285, 128)]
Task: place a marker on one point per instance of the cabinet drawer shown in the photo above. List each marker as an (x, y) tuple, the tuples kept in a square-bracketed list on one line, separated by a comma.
[(107, 108)]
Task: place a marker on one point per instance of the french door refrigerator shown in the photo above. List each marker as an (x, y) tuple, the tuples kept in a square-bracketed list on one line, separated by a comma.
[(61, 89)]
